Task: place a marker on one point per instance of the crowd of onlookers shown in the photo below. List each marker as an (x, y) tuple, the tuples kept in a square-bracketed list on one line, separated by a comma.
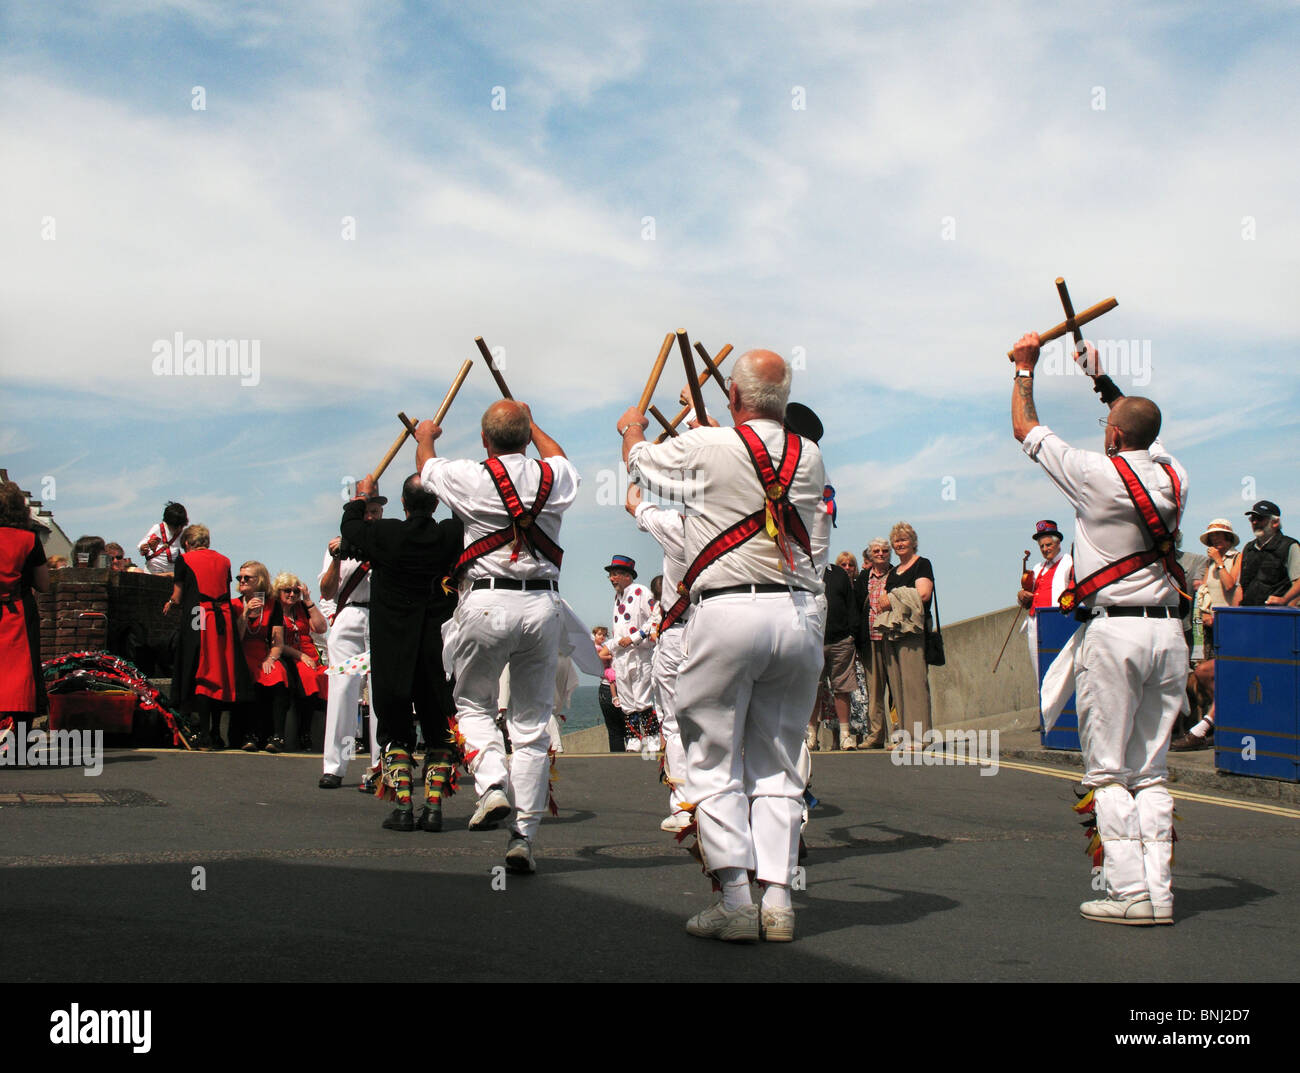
[(260, 656)]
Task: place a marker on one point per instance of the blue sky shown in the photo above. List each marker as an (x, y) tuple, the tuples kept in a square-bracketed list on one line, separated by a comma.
[(894, 236)]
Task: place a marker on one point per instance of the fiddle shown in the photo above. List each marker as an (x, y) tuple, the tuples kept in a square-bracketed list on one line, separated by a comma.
[(1026, 575)]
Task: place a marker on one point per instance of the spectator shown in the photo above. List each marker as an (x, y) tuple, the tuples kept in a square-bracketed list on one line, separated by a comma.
[(858, 704), (838, 651), (294, 619), (209, 674), (872, 645), (88, 553), (1050, 577), (161, 546), (609, 708), (254, 609), (58, 562), (1270, 564), (22, 571), (909, 681)]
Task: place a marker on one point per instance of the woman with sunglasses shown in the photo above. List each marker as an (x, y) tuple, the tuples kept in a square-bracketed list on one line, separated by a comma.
[(294, 619), (253, 610)]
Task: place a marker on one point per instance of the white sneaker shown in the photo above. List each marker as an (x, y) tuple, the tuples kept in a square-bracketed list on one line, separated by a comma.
[(1135, 910), (678, 821), (777, 925), (519, 855), (492, 806), (651, 744), (729, 925), (1164, 914), (632, 745)]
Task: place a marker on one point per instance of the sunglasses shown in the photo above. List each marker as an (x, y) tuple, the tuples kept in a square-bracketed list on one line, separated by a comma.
[(245, 577)]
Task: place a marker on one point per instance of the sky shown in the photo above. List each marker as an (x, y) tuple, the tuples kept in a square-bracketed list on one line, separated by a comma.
[(883, 193)]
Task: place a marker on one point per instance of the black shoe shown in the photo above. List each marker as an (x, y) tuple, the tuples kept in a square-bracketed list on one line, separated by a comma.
[(330, 782), (304, 744), (250, 746), (275, 745), (400, 821), (430, 819)]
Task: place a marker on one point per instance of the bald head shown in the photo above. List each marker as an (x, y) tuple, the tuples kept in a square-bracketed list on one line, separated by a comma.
[(506, 427), (761, 380), (1138, 419)]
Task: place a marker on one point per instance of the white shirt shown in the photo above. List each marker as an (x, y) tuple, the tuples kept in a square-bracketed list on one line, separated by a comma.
[(633, 615), (667, 527), (709, 470), (359, 595), (165, 561), (468, 490), (1107, 526)]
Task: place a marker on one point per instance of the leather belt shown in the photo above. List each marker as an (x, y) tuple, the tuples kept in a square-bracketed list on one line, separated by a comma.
[(1161, 611), (528, 585), (732, 590)]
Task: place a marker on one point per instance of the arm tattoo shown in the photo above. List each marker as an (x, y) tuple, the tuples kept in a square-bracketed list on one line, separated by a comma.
[(1026, 389)]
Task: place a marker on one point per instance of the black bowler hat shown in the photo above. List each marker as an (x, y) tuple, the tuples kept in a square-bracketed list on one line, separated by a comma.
[(800, 420), (1046, 528), (1265, 508)]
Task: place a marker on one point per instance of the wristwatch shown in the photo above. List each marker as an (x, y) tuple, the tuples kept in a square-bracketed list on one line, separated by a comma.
[(1024, 374)]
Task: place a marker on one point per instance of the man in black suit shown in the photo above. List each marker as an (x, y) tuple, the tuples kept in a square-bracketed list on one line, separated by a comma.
[(408, 605)]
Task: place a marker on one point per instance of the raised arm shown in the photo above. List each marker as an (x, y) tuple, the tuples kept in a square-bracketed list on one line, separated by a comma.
[(1024, 417)]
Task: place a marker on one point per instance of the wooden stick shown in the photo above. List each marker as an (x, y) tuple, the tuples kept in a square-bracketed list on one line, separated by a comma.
[(655, 373), (722, 354), (450, 397), (1091, 313), (669, 430), (492, 367), (1068, 306), (1004, 643), (711, 366), (410, 425), (692, 379)]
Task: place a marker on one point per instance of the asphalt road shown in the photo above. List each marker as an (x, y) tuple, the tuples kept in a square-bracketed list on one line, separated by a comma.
[(914, 874)]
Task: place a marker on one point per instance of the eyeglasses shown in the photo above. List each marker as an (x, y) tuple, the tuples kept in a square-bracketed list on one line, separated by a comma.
[(291, 593), (245, 577), (1104, 422)]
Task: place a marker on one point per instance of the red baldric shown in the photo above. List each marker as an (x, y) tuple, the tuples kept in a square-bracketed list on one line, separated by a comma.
[(521, 528), (776, 487), (1160, 534)]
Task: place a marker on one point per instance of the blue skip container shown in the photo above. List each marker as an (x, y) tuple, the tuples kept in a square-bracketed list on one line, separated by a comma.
[(1257, 691)]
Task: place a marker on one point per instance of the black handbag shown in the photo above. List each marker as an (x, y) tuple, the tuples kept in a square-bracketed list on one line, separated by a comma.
[(934, 654)]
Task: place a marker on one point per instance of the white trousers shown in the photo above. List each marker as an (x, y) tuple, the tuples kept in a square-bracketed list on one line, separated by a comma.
[(1130, 676), (747, 682), (348, 637), (667, 665), (634, 676), (492, 629)]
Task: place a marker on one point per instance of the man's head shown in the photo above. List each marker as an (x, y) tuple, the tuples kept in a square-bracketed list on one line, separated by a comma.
[(1133, 425), (506, 428), (1265, 519), (622, 572), (416, 500), (175, 517), (1048, 538), (375, 509), (196, 536), (760, 386)]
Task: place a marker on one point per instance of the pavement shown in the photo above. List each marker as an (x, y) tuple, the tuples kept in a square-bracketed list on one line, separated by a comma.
[(174, 866)]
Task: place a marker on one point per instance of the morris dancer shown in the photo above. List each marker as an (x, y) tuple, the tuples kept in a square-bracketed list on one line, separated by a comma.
[(346, 580), (510, 611), (667, 528), (408, 607), (1131, 665), (161, 546), (754, 642), (631, 642)]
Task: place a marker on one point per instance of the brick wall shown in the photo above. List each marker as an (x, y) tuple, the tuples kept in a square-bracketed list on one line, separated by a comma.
[(83, 605)]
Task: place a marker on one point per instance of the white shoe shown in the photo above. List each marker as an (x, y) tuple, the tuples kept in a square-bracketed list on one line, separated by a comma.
[(1164, 914), (492, 806), (519, 855), (678, 821), (729, 925), (632, 745), (651, 744), (777, 925), (1135, 910)]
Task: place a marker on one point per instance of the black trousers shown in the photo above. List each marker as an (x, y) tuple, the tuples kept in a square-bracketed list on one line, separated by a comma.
[(614, 724), (429, 700)]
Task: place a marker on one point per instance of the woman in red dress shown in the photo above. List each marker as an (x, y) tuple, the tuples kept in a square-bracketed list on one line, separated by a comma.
[(22, 570), (210, 674), (295, 618), (253, 609)]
